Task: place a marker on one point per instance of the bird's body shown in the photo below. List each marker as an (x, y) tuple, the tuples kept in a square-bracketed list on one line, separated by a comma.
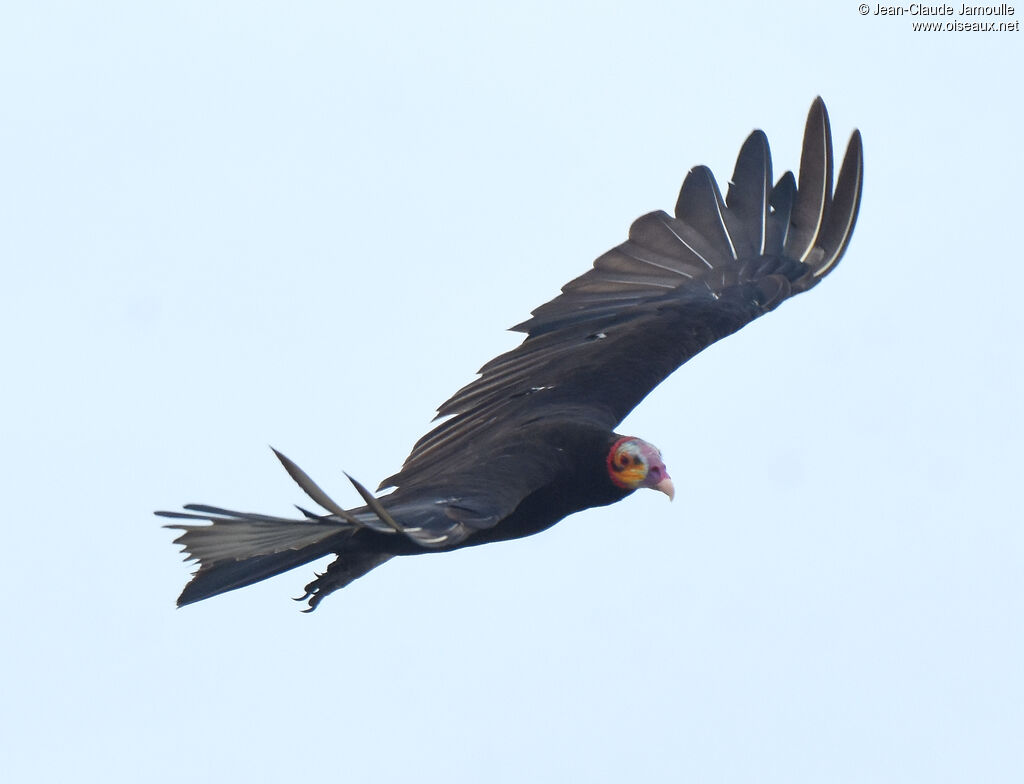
[(532, 439)]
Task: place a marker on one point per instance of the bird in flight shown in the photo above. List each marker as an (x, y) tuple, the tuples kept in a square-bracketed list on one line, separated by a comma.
[(532, 439)]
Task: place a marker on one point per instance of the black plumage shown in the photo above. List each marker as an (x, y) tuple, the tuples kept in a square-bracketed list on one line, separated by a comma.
[(531, 439)]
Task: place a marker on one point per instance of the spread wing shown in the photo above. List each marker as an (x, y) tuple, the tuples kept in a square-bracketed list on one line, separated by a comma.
[(590, 355), (677, 285)]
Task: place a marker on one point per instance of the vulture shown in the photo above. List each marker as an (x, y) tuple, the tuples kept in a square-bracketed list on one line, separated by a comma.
[(532, 439)]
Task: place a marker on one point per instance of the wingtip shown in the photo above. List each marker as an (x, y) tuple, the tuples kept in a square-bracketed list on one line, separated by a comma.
[(845, 207), (814, 188), (749, 191), (817, 118), (856, 143)]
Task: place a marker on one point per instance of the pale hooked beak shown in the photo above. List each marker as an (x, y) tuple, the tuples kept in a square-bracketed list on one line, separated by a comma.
[(666, 486)]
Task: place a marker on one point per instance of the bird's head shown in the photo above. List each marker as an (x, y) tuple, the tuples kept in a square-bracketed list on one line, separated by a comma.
[(633, 463)]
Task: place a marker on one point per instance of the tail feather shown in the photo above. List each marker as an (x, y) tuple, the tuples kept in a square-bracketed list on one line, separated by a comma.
[(240, 549), (223, 576)]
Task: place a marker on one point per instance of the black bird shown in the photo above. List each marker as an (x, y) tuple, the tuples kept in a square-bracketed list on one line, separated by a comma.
[(532, 439)]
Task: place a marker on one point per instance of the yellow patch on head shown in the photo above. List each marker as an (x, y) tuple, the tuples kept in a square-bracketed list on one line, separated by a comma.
[(627, 466)]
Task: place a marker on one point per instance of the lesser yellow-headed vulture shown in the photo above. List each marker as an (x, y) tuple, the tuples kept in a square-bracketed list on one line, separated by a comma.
[(533, 438)]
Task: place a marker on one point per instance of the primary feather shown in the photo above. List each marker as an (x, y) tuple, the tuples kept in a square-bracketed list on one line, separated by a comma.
[(526, 443)]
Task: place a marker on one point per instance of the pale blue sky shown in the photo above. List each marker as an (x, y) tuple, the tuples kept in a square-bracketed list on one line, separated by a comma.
[(228, 225)]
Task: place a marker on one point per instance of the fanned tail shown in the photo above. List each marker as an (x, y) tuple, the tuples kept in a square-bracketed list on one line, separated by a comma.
[(236, 549), (239, 549)]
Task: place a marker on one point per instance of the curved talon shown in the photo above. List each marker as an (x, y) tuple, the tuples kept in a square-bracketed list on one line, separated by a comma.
[(314, 602)]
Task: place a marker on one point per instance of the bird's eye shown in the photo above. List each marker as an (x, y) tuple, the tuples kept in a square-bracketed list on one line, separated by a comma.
[(625, 460)]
